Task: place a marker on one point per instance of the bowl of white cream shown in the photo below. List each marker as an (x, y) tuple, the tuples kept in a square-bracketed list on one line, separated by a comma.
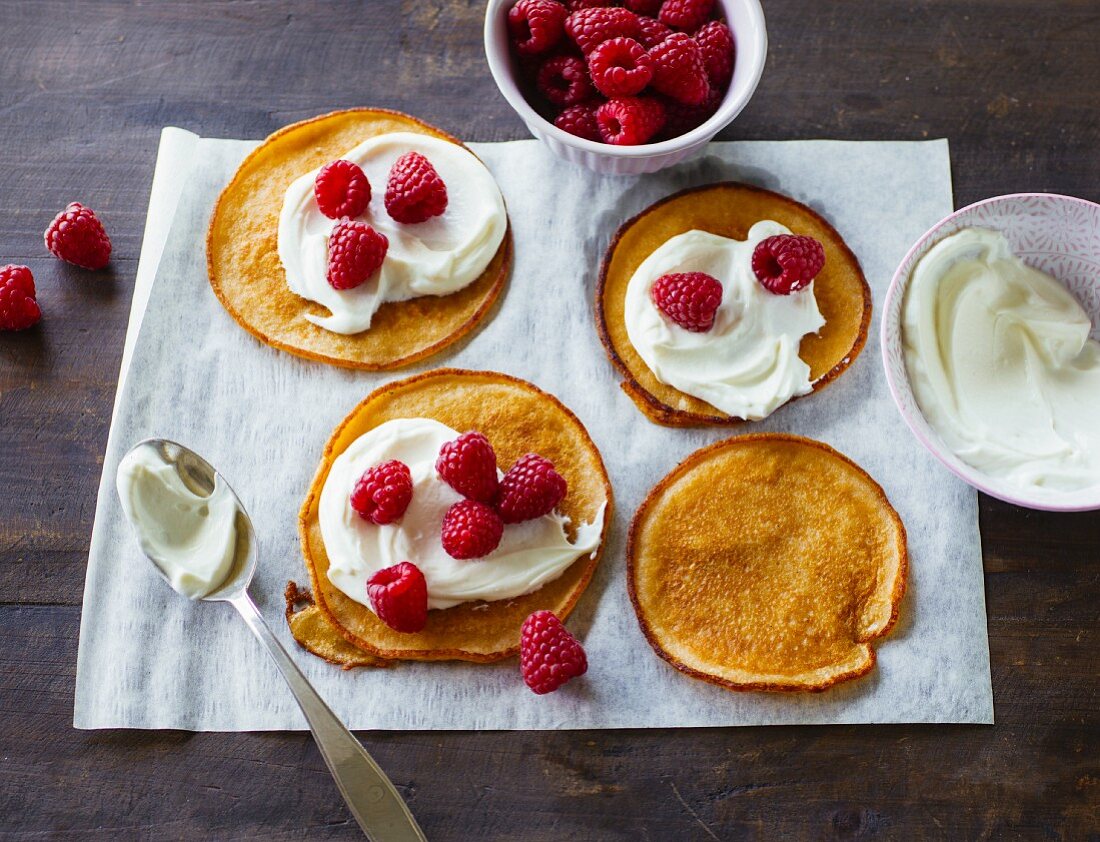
[(990, 334)]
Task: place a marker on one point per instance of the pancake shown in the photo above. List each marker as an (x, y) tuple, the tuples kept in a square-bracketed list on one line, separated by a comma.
[(517, 418), (767, 562), (248, 278), (314, 633), (729, 209)]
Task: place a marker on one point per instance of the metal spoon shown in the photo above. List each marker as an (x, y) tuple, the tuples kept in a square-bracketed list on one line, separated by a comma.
[(371, 797)]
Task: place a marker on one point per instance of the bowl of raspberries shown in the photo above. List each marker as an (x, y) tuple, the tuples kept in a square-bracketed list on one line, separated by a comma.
[(626, 86)]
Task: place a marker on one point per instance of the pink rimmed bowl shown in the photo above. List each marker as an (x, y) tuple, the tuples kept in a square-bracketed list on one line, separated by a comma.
[(1059, 235), (746, 22)]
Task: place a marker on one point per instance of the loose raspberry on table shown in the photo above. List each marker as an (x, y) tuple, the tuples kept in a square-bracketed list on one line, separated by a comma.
[(591, 27), (549, 655), (77, 236), (469, 466), (649, 8), (341, 189), (399, 596), (619, 67), (383, 493), (579, 120), (18, 307), (685, 15), (691, 299), (716, 44), (415, 192), (536, 25), (471, 529), (651, 32), (786, 263), (564, 80), (530, 489), (682, 118), (629, 121), (355, 252), (678, 69)]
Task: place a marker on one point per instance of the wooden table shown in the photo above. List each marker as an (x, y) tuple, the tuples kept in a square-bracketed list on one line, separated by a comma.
[(84, 91)]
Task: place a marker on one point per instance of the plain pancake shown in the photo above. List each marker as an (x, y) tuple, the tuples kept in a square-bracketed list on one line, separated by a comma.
[(248, 277), (767, 562), (729, 209), (517, 418)]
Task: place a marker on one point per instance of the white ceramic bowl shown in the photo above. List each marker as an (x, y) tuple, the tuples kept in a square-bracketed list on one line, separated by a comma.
[(1059, 235), (746, 21)]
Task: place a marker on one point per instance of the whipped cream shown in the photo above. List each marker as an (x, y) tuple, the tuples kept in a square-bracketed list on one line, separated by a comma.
[(1001, 363), (530, 554), (436, 257), (191, 537), (747, 365)]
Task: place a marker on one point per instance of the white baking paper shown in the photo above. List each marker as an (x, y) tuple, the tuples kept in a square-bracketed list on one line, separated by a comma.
[(150, 659)]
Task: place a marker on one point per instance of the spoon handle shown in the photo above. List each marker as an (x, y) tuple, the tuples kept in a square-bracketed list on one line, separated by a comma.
[(371, 797)]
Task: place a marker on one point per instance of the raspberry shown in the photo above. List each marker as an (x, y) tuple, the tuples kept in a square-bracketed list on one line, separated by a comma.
[(355, 252), (787, 262), (530, 489), (18, 309), (536, 25), (399, 596), (678, 69), (716, 44), (76, 236), (643, 7), (469, 466), (683, 118), (690, 299), (383, 492), (471, 529), (651, 32), (341, 189), (579, 120), (591, 27), (564, 80), (577, 5), (548, 654), (685, 15), (414, 192), (619, 67), (631, 120)]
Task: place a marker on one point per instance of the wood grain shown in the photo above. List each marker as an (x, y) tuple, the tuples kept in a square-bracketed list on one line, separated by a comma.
[(84, 91)]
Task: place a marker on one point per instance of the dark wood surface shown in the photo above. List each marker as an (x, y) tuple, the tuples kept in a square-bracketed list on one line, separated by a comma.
[(84, 90)]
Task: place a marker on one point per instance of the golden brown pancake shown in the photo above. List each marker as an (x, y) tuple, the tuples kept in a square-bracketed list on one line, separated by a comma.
[(729, 209), (517, 418), (316, 634), (248, 278), (767, 562)]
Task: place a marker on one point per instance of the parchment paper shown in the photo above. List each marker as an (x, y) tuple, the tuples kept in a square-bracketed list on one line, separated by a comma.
[(150, 659)]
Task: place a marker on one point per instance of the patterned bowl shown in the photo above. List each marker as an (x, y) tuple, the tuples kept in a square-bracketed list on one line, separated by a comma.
[(1059, 235)]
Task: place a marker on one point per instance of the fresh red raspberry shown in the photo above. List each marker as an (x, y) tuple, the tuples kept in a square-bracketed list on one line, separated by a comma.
[(619, 67), (399, 596), (469, 466), (716, 43), (650, 8), (536, 25), (530, 489), (686, 15), (18, 309), (678, 69), (564, 80), (690, 299), (651, 32), (577, 5), (383, 492), (471, 529), (355, 252), (77, 236), (414, 192), (786, 263), (579, 120), (591, 27), (548, 654), (630, 120), (683, 118), (341, 189)]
